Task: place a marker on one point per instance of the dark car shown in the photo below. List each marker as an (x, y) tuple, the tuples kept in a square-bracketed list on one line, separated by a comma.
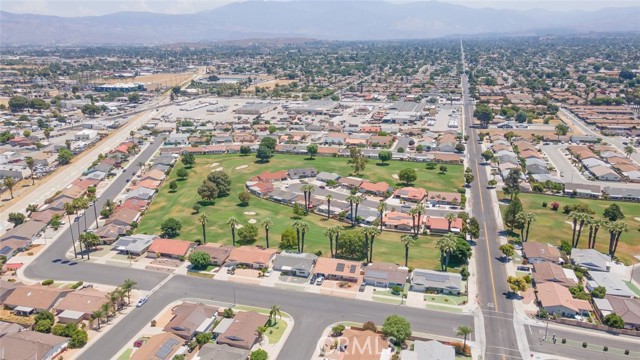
[(127, 180), (362, 287), (313, 279), (524, 268)]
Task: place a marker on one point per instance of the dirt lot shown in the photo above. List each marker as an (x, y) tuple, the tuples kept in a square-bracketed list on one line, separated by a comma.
[(166, 79), (270, 84)]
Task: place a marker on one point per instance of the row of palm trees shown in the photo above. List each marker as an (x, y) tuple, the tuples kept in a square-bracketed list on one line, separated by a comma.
[(116, 298), (581, 219), (73, 208)]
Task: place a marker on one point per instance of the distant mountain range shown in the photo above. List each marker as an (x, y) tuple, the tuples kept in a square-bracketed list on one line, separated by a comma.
[(326, 20)]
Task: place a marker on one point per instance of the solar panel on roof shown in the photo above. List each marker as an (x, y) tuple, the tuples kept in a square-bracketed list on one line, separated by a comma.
[(5, 250), (165, 349), (437, 277), (352, 269), (340, 267)]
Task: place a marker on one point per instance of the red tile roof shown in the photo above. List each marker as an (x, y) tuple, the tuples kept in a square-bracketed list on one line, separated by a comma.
[(169, 247)]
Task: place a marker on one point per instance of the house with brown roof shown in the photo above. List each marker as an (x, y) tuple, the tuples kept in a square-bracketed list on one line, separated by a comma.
[(191, 319), (382, 141), (123, 216), (384, 274), (28, 299), (108, 233), (135, 204), (443, 158), (350, 182), (628, 309), (162, 346), (550, 272), (251, 256), (440, 225), (379, 188), (267, 176), (154, 174), (242, 333), (217, 254), (396, 220), (443, 198), (338, 269), (536, 252), (411, 194), (20, 237), (82, 302), (557, 299), (6, 288), (171, 248), (29, 344), (363, 345)]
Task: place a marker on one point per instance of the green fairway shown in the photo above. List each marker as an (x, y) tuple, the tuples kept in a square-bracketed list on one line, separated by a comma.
[(179, 204), (553, 226)]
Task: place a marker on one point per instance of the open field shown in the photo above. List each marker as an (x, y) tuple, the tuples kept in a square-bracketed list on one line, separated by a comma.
[(553, 226), (270, 85), (163, 78), (178, 205)]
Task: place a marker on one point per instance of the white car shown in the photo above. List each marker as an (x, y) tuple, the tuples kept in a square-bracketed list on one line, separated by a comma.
[(268, 273), (142, 301)]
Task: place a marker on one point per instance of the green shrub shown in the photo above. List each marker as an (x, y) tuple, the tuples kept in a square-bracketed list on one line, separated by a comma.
[(47, 282)]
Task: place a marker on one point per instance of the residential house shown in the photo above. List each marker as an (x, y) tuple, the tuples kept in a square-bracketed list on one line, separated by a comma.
[(410, 194), (605, 173), (242, 333), (443, 282), (378, 189), (80, 305), (338, 269), (302, 173), (259, 188), (108, 233), (440, 225), (217, 254), (295, 264), (123, 217), (20, 237), (536, 166), (382, 274), (443, 198), (628, 309), (6, 288), (162, 346), (556, 299), (171, 248), (134, 244), (611, 282), (583, 190), (222, 352), (27, 299), (363, 345), (536, 252), (153, 174), (270, 177), (616, 193), (429, 350), (396, 220), (326, 176), (135, 204), (350, 182), (590, 259), (29, 344), (141, 192), (252, 256), (550, 272), (191, 319)]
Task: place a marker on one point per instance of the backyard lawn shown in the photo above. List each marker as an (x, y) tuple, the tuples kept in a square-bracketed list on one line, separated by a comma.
[(553, 226), (179, 204)]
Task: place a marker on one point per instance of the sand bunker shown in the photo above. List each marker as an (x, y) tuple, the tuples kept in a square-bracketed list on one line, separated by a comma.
[(252, 221), (214, 164), (218, 169), (249, 213), (395, 176), (241, 167)]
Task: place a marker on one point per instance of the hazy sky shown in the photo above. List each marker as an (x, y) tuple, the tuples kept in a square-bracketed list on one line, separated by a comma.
[(101, 7)]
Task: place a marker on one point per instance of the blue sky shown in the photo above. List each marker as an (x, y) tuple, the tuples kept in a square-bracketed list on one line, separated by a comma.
[(101, 7)]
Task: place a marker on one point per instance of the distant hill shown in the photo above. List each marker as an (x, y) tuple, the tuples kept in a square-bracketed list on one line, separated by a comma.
[(327, 20)]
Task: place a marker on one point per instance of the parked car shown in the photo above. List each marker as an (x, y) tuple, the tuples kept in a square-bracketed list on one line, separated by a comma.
[(231, 270), (362, 287), (268, 273), (319, 280), (524, 268), (312, 279), (142, 301)]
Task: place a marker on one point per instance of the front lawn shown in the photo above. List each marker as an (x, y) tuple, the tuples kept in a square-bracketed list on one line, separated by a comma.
[(179, 204), (553, 226)]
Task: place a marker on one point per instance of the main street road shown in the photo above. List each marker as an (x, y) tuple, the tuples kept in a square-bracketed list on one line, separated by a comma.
[(501, 342)]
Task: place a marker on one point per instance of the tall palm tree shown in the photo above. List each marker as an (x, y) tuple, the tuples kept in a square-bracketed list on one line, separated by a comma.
[(446, 245), (328, 198), (307, 189), (273, 313), (89, 240), (203, 220), (616, 229), (331, 234), (413, 212), (232, 223), (266, 224), (114, 296), (97, 315), (370, 234), (408, 241), (526, 219), (83, 204), (574, 216), (382, 206), (70, 210), (127, 286), (297, 226), (357, 201), (303, 230), (597, 224), (93, 199), (450, 217), (351, 199), (106, 309), (419, 210), (9, 182), (31, 164), (582, 219), (464, 331)]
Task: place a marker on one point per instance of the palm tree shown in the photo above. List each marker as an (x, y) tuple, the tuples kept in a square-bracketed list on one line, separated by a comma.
[(526, 219), (266, 224), (629, 150), (357, 201), (446, 245), (616, 229), (328, 198), (9, 182), (127, 286), (307, 189), (352, 199), (464, 331), (273, 313), (31, 164), (297, 226), (597, 224), (70, 209), (114, 296), (93, 199), (232, 223), (413, 212), (97, 315), (582, 219), (450, 217), (382, 206), (106, 309), (573, 216), (89, 240), (141, 166), (202, 219), (132, 133), (408, 241), (370, 234), (419, 210), (303, 229), (331, 233)]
